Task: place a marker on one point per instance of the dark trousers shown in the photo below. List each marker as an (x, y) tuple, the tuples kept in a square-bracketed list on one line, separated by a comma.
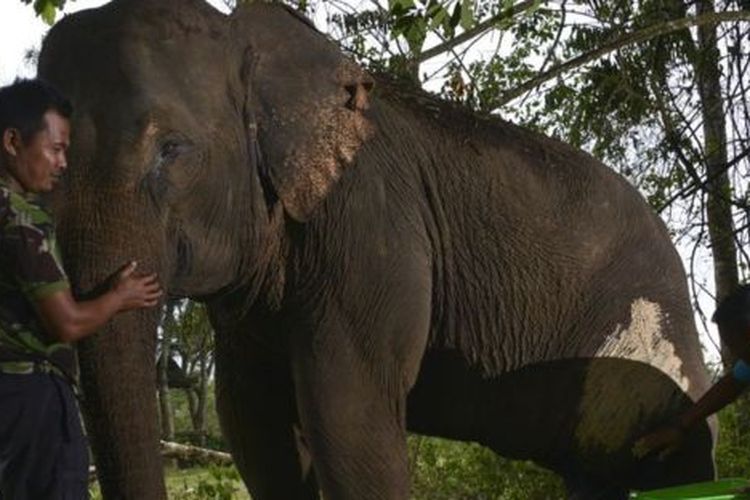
[(43, 451)]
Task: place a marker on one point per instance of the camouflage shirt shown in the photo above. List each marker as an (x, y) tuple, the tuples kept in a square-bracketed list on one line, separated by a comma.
[(30, 269)]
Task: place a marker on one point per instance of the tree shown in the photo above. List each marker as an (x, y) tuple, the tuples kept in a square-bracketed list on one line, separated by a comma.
[(165, 354), (193, 345)]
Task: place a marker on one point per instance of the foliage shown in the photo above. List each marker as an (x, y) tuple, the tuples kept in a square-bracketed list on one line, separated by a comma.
[(212, 483), (184, 431), (479, 83), (446, 470), (732, 458), (190, 344), (440, 469), (46, 9), (94, 491), (414, 19), (192, 338)]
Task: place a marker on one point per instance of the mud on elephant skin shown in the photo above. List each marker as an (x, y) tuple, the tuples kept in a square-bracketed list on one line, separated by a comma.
[(373, 259)]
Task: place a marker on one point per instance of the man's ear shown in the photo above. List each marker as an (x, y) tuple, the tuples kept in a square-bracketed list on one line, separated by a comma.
[(11, 141)]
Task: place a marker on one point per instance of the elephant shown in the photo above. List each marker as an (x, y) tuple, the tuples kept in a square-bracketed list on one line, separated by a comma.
[(375, 261)]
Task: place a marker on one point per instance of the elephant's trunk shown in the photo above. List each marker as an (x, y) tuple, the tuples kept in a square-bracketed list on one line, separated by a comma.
[(118, 377), (118, 371)]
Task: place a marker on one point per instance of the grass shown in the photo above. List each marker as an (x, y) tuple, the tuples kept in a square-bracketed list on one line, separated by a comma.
[(215, 483), (200, 483)]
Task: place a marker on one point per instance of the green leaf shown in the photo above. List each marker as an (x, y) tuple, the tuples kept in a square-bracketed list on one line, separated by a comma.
[(438, 16), (400, 5), (416, 33), (456, 16), (48, 14), (467, 14), (47, 9)]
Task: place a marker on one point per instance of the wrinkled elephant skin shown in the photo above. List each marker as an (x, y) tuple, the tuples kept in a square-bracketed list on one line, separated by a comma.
[(374, 260)]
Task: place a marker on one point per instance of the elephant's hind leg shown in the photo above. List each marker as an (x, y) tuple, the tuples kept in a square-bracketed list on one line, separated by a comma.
[(256, 408)]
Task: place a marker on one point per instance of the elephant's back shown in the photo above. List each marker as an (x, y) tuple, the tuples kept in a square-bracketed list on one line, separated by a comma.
[(634, 300), (540, 252)]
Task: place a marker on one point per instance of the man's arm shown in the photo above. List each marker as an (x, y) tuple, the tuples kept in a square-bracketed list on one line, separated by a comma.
[(667, 439), (723, 392), (68, 320)]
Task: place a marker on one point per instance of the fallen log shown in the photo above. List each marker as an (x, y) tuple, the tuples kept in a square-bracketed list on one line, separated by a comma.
[(201, 456), (195, 454)]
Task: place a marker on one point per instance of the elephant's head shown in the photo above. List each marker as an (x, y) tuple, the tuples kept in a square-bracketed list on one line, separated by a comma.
[(195, 136)]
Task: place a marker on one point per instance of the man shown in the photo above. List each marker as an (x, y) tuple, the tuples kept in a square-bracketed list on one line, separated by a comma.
[(43, 453), (733, 319)]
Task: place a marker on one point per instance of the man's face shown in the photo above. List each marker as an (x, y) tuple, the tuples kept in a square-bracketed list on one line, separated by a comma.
[(737, 339), (36, 165)]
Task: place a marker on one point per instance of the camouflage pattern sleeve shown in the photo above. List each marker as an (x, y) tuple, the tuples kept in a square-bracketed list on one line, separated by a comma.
[(28, 249)]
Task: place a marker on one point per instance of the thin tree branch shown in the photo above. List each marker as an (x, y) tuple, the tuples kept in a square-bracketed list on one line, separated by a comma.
[(693, 187), (555, 44), (631, 38), (475, 31), (694, 284)]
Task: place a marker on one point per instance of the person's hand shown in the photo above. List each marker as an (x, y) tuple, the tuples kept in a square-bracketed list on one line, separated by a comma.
[(134, 291), (663, 441)]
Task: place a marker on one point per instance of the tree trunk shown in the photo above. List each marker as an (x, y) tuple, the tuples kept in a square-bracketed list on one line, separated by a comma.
[(166, 413), (197, 397), (719, 192), (200, 421)]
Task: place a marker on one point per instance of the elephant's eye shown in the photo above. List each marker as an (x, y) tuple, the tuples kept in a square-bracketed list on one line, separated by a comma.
[(170, 149)]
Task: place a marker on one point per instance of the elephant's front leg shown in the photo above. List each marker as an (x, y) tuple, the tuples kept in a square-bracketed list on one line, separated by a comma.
[(352, 375), (256, 407)]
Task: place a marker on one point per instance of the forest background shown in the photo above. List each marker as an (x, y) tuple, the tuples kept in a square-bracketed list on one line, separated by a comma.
[(657, 89)]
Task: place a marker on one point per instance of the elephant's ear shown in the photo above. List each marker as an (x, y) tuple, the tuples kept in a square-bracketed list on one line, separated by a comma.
[(305, 104)]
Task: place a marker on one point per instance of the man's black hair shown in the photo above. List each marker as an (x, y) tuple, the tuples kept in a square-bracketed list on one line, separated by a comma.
[(734, 308), (24, 102)]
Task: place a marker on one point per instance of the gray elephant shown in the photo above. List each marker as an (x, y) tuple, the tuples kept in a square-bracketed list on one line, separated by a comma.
[(374, 261)]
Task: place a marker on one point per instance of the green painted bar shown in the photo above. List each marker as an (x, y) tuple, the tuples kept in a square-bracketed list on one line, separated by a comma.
[(723, 489)]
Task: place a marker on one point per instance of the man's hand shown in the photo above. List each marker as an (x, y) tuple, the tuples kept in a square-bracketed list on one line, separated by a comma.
[(664, 441), (69, 320), (134, 291)]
